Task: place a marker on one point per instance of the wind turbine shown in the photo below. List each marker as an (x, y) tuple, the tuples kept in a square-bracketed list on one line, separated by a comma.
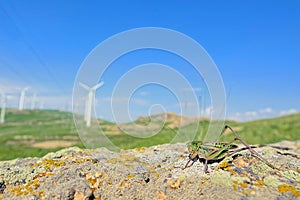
[(89, 101), (41, 105), (3, 107), (22, 98), (33, 101)]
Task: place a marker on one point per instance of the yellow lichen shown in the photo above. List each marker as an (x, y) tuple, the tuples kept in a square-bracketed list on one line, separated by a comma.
[(109, 182), (141, 148), (127, 164), (287, 188), (19, 191), (258, 183), (34, 184), (226, 167), (235, 187), (98, 174), (243, 184), (243, 187), (223, 165), (28, 188), (113, 160), (43, 174), (174, 184), (127, 157), (40, 193), (77, 161), (130, 176), (49, 164), (92, 180), (125, 161)]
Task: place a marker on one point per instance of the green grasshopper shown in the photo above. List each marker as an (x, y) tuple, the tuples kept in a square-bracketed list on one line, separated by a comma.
[(216, 151)]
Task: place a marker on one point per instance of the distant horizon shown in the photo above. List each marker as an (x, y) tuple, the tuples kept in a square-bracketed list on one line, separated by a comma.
[(145, 116), (255, 46)]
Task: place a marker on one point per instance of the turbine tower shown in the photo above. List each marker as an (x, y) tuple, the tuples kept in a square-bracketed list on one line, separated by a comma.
[(33, 101), (41, 105), (3, 107), (89, 101), (22, 98)]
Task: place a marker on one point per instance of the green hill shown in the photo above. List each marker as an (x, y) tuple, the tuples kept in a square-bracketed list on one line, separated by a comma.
[(32, 133), (271, 130), (36, 132)]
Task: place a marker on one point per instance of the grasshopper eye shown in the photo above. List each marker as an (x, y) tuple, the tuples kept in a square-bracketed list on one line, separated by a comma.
[(190, 149)]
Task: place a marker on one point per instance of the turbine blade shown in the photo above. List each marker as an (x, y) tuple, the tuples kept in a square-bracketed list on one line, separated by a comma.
[(98, 85), (26, 88), (91, 88), (84, 86)]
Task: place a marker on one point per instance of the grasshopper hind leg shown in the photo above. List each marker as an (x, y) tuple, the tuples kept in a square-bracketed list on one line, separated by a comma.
[(249, 148)]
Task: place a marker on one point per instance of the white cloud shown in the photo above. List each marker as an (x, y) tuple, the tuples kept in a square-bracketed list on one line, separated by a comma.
[(40, 102), (262, 113), (244, 116), (266, 110), (15, 87), (251, 113), (8, 87), (288, 112), (209, 110)]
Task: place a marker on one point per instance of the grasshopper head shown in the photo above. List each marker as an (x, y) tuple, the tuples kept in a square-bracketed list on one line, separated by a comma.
[(193, 148)]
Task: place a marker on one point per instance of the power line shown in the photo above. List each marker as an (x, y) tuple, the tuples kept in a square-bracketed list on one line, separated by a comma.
[(15, 72), (33, 51)]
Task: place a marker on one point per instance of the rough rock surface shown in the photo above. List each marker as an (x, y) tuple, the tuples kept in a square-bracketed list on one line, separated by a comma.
[(152, 173)]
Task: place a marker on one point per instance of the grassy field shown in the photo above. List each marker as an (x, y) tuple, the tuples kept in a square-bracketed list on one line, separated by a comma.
[(31, 133), (23, 133)]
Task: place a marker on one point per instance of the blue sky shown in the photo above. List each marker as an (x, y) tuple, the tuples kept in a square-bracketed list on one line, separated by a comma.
[(255, 44)]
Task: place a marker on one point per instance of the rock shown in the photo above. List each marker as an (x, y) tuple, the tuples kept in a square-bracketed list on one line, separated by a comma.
[(152, 173)]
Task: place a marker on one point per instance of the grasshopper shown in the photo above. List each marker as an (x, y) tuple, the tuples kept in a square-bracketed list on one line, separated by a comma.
[(216, 151)]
